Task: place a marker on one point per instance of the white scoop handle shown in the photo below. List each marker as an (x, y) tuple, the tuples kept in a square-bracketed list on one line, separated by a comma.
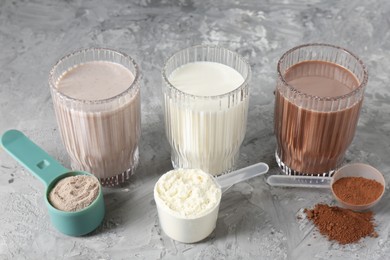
[(299, 181), (229, 179)]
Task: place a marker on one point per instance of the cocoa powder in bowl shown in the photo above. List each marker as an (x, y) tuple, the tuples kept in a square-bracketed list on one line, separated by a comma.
[(357, 190), (358, 186)]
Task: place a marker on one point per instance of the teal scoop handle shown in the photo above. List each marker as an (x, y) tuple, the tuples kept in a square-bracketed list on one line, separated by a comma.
[(32, 157)]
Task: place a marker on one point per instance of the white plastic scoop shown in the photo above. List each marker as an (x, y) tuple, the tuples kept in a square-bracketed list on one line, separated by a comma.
[(227, 180), (350, 170), (300, 181), (193, 229)]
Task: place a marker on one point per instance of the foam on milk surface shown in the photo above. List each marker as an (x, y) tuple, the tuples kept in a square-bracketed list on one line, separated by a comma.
[(206, 78), (188, 192), (95, 80)]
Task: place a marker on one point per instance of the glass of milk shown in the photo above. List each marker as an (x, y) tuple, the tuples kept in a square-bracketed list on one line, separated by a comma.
[(96, 98), (206, 95)]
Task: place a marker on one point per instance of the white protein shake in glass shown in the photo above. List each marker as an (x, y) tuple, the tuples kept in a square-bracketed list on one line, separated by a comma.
[(97, 107), (206, 109)]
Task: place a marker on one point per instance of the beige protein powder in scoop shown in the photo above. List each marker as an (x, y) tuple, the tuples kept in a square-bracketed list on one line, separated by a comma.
[(74, 193)]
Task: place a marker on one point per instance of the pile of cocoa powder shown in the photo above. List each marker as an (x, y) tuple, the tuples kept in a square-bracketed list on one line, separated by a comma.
[(343, 225)]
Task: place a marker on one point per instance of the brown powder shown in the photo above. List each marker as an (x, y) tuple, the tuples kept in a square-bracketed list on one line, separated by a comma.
[(357, 190), (342, 225), (74, 193)]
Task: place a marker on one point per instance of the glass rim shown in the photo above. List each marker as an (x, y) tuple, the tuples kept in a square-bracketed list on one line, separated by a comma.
[(52, 81), (361, 86), (241, 86)]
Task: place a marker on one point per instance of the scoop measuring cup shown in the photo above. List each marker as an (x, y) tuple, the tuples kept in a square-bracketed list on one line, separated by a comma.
[(49, 171), (349, 170), (194, 229), (227, 180)]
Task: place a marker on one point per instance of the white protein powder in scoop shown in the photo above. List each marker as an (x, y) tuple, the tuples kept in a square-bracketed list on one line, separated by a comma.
[(74, 193), (188, 193)]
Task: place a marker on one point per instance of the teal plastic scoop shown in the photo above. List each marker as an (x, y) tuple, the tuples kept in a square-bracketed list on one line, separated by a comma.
[(49, 171)]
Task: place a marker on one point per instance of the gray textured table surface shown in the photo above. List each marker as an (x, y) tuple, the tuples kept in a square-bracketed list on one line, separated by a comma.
[(255, 221)]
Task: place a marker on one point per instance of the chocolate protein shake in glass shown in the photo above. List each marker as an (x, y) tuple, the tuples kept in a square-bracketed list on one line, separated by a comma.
[(318, 97), (96, 97)]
